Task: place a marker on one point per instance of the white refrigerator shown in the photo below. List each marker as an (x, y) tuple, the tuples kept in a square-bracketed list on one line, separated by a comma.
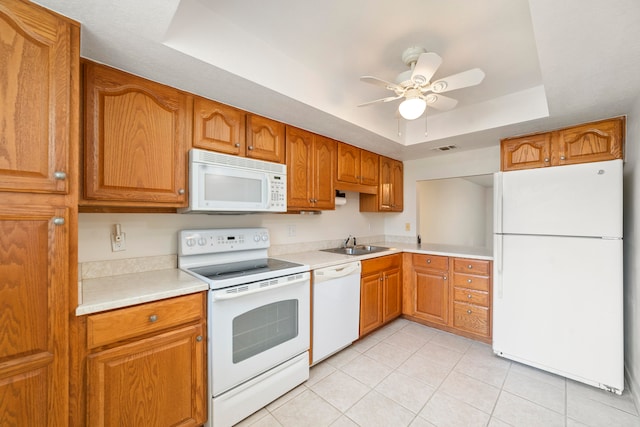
[(558, 286)]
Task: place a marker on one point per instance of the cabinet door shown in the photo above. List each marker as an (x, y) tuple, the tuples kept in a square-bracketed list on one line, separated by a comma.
[(370, 303), (397, 186), (369, 167), (39, 54), (392, 306), (299, 168), (527, 152), (265, 139), (591, 142), (324, 172), (34, 370), (432, 295), (218, 127), (136, 139), (348, 163), (156, 381)]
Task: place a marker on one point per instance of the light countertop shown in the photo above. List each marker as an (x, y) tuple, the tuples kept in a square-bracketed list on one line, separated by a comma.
[(111, 292), (108, 293), (319, 259)]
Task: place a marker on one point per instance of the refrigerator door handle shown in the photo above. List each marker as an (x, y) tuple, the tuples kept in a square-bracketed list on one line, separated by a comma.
[(498, 260), (497, 202)]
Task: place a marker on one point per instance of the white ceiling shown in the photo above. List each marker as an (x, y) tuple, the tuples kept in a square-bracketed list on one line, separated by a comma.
[(548, 63)]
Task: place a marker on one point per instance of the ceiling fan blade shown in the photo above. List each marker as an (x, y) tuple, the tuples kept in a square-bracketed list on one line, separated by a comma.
[(425, 67), (379, 82), (441, 102), (388, 99), (457, 81)]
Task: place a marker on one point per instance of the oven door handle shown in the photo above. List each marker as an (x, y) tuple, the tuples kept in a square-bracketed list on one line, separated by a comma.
[(226, 296)]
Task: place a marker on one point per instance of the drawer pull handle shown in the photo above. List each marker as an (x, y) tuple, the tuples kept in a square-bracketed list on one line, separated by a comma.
[(468, 311), (250, 148), (153, 318), (468, 280), (469, 266), (181, 191), (469, 296), (546, 160), (57, 220), (199, 338), (60, 175), (428, 261), (563, 158), (444, 277), (237, 145)]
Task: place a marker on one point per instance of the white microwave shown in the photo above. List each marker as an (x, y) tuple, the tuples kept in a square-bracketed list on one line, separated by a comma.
[(220, 183)]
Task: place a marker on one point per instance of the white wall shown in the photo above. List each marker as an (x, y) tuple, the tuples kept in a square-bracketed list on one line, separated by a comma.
[(632, 251), (156, 234), (452, 211), (465, 163)]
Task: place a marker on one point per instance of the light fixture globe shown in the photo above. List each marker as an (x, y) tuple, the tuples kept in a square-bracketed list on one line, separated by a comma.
[(412, 107)]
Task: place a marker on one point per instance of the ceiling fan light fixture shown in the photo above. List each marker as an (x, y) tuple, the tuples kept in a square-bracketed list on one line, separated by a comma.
[(412, 107)]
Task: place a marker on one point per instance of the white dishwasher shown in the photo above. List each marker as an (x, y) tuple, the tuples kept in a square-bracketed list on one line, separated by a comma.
[(336, 309)]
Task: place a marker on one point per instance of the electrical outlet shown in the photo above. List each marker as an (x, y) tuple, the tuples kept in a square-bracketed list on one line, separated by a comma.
[(291, 230), (118, 241), (407, 226)]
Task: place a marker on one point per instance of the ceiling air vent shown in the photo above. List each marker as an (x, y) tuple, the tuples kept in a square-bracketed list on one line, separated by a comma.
[(445, 148)]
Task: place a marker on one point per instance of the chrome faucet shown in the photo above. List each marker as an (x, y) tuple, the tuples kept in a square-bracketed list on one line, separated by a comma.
[(346, 242)]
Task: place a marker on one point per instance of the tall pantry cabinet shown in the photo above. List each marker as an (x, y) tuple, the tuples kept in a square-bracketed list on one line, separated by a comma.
[(38, 215)]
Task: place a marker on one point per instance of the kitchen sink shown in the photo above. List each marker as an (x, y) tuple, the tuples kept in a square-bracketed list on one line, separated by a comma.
[(357, 250)]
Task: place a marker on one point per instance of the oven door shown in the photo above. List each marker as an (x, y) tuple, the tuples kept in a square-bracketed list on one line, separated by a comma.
[(253, 329)]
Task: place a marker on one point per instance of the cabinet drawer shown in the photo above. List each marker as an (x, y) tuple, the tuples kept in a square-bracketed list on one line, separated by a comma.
[(117, 325), (435, 262), (471, 296), (480, 283), (382, 263), (472, 266), (471, 318)]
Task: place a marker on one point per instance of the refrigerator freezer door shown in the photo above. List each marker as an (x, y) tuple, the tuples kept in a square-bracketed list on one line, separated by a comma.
[(574, 200), (558, 306)]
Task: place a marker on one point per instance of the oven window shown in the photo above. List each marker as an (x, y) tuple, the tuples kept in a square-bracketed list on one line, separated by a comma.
[(263, 328)]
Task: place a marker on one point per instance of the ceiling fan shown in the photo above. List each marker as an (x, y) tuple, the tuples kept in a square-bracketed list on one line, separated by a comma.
[(415, 85)]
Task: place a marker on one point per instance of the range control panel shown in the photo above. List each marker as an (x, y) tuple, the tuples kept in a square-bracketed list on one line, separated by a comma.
[(215, 240)]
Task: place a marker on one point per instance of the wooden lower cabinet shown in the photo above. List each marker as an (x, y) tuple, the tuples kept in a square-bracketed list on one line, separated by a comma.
[(380, 292), (453, 294), (146, 364), (430, 276)]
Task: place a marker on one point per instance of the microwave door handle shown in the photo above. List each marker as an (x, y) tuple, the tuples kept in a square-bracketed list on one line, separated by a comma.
[(268, 193), (229, 296)]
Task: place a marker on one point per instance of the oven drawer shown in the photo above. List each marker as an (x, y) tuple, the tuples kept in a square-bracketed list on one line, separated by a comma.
[(117, 325)]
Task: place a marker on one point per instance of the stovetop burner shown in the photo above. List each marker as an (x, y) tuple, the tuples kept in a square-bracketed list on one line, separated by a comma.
[(242, 268)]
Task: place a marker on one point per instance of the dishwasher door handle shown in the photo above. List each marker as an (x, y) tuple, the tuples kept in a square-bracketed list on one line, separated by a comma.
[(336, 272)]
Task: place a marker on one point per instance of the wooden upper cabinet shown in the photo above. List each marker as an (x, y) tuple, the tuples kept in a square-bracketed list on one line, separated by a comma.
[(34, 259), (592, 142), (265, 139), (357, 169), (311, 162), (39, 52), (218, 127), (390, 192), (368, 168), (325, 163), (299, 168), (589, 142), (526, 152), (136, 140)]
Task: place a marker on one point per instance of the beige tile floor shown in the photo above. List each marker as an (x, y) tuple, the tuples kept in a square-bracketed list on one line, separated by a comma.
[(406, 374)]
